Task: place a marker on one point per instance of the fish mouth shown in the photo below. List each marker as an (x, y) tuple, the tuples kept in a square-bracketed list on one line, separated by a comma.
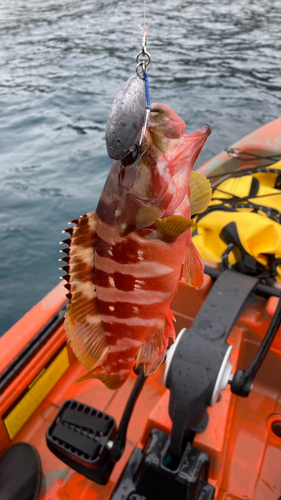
[(166, 121)]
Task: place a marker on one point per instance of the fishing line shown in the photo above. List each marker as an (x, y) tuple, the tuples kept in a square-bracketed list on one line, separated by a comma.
[(144, 16)]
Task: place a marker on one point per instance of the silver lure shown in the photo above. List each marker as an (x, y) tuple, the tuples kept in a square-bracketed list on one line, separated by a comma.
[(126, 118)]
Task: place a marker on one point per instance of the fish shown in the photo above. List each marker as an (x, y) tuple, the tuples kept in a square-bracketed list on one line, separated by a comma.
[(124, 261)]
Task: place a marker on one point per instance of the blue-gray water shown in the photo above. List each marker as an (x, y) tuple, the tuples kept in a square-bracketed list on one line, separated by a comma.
[(62, 63)]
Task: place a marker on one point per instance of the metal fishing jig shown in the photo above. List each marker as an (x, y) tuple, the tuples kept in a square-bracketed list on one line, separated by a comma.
[(125, 118), (129, 114)]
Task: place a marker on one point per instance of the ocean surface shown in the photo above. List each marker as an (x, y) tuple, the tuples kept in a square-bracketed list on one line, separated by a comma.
[(61, 64)]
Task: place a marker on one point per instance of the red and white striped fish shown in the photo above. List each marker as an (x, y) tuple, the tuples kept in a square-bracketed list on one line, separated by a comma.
[(125, 260)]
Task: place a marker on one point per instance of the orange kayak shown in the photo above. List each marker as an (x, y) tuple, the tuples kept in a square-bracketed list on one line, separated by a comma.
[(232, 453)]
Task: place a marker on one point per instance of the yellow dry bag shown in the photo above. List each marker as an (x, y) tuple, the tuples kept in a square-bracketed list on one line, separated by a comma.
[(241, 228)]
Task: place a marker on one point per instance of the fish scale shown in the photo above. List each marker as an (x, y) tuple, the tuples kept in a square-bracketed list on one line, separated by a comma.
[(125, 328)]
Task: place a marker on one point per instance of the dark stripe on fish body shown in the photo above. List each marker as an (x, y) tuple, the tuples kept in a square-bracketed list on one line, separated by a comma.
[(129, 283), (124, 252), (127, 250), (124, 282)]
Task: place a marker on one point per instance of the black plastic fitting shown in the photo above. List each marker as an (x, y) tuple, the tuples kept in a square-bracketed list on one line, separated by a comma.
[(201, 352)]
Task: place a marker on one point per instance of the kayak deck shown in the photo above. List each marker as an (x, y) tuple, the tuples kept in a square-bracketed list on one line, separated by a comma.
[(241, 438)]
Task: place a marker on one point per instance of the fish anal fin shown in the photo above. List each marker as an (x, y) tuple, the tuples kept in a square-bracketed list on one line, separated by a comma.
[(200, 193), (193, 267), (82, 321), (170, 228), (112, 381), (153, 350)]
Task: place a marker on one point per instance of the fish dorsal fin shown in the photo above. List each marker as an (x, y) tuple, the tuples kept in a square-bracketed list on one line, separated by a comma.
[(200, 193), (153, 350), (193, 267), (82, 321), (170, 228)]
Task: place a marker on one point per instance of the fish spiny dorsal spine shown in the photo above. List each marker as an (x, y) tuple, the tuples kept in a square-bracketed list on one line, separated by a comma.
[(83, 322)]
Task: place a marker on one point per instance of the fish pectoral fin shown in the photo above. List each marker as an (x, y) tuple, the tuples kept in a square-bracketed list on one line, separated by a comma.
[(200, 193), (193, 267), (146, 216), (82, 321), (170, 228), (153, 350)]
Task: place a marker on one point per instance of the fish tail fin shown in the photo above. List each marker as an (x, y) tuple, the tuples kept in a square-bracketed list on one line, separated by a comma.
[(153, 350), (112, 381), (193, 267), (82, 321)]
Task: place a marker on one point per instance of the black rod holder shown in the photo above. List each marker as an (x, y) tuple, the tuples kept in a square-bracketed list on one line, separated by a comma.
[(120, 439), (242, 381)]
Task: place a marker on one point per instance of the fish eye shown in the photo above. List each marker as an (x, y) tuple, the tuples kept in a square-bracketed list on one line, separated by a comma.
[(131, 158)]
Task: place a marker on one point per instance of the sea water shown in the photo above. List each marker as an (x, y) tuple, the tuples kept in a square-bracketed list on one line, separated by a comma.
[(61, 64)]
